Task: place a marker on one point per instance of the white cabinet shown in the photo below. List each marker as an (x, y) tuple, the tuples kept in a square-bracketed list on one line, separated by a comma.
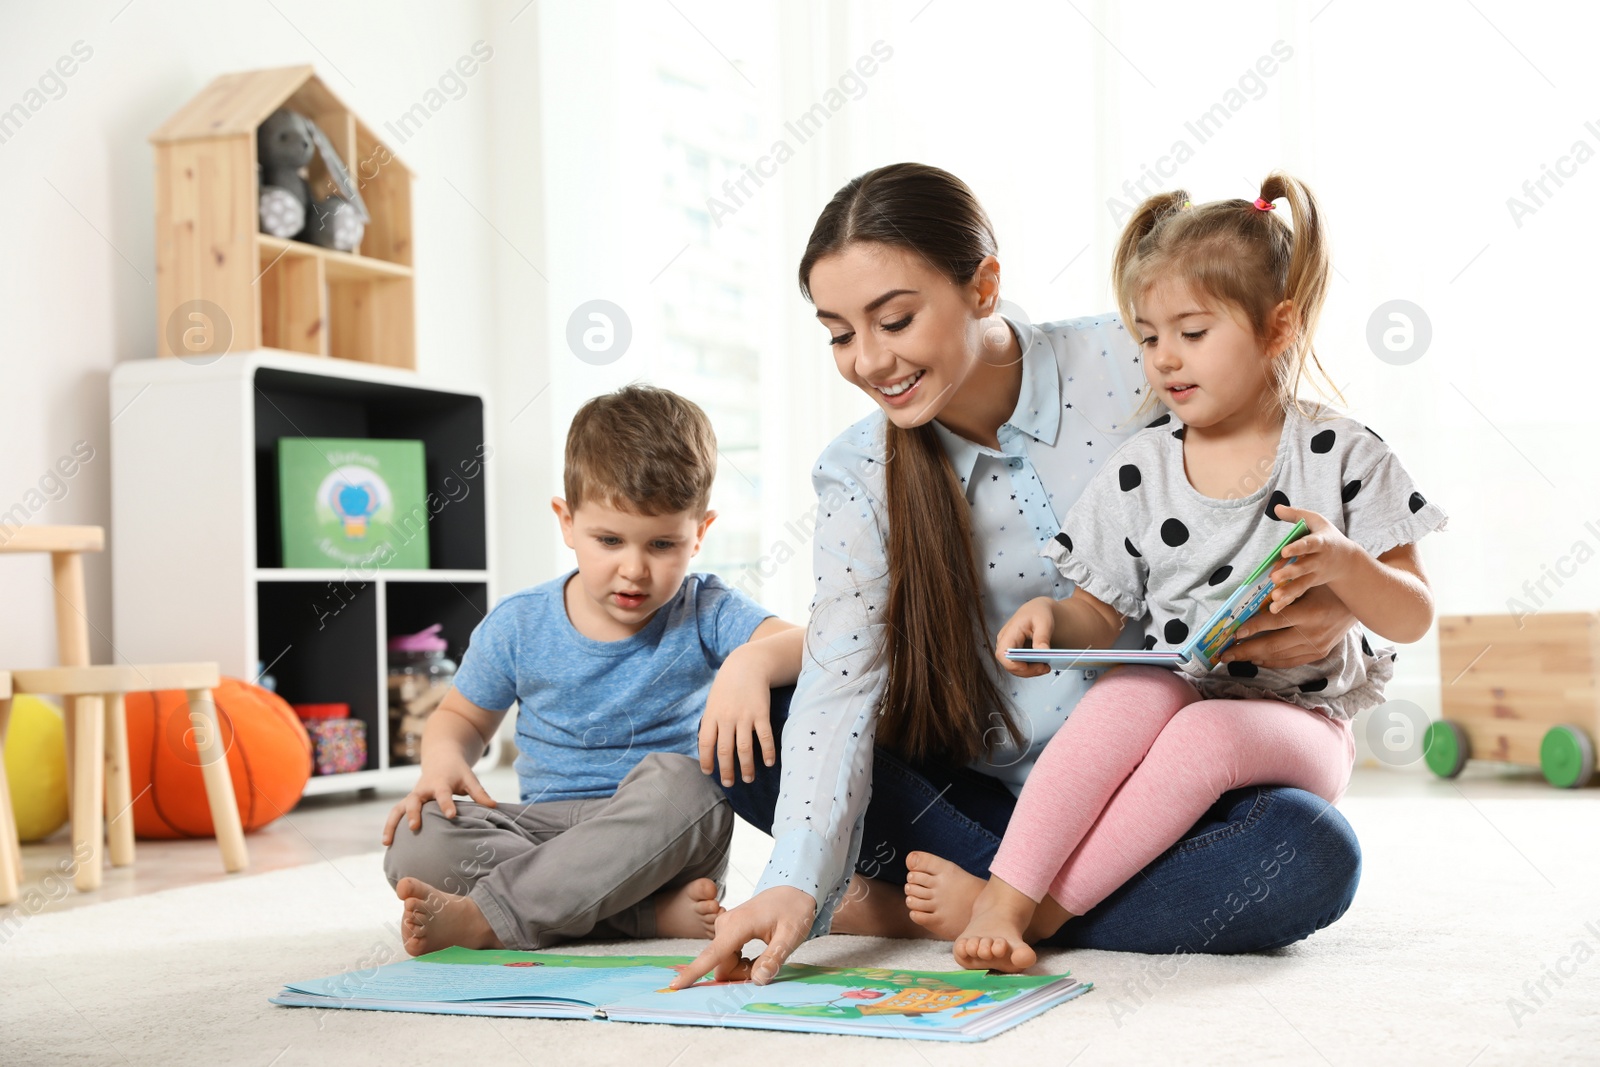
[(194, 537)]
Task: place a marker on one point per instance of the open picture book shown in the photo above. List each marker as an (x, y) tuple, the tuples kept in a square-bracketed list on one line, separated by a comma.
[(870, 1001), (1207, 641)]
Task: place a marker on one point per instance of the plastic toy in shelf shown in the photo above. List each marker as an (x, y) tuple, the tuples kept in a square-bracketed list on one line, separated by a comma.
[(419, 677), (339, 742)]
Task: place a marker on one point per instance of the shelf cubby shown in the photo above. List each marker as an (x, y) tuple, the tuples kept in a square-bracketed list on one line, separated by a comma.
[(291, 286), (320, 649), (450, 427), (456, 605)]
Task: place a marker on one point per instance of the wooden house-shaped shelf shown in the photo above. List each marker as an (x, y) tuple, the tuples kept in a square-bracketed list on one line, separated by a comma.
[(221, 285)]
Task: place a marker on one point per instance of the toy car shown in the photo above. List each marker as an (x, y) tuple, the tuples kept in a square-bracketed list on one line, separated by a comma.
[(1518, 689)]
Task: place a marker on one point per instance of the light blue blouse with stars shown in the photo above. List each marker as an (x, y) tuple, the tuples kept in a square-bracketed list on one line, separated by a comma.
[(1082, 383)]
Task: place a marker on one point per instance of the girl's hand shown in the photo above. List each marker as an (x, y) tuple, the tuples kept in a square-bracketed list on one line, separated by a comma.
[(1031, 627), (441, 784), (780, 916), (1322, 556), (738, 710)]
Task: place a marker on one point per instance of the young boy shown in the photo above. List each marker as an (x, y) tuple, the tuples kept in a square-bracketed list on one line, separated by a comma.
[(619, 833)]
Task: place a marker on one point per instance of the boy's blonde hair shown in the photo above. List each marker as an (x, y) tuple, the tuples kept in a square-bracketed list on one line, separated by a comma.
[(1238, 253), (641, 449)]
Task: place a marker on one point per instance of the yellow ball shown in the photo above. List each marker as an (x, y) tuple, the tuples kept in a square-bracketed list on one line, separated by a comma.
[(36, 765)]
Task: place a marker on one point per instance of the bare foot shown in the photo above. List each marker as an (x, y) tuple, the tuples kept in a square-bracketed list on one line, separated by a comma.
[(939, 894), (994, 939), (1047, 918), (435, 919), (688, 910), (874, 909)]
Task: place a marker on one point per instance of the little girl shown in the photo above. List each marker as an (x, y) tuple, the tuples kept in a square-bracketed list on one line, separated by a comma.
[(1224, 297)]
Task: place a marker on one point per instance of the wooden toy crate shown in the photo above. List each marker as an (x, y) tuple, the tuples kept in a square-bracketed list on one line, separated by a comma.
[(1523, 691), (222, 286)]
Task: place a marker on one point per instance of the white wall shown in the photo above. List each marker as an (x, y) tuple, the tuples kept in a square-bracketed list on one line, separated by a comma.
[(77, 226)]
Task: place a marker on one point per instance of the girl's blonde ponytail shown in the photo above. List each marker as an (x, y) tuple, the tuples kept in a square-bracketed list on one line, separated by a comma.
[(1305, 284)]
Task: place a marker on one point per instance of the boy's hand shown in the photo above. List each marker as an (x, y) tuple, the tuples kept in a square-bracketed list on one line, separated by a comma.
[(442, 784), (738, 713), (1031, 627), (1323, 555)]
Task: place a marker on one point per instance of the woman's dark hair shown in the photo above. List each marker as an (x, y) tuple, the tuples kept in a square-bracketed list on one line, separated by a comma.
[(941, 691)]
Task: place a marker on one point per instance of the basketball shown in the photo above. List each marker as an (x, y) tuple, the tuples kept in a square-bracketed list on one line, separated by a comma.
[(269, 757)]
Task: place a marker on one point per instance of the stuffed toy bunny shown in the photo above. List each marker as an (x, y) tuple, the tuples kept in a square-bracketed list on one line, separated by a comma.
[(334, 222), (283, 148), (285, 143)]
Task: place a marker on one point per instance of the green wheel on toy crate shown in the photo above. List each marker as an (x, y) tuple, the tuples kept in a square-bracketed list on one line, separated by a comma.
[(1445, 748), (1566, 756)]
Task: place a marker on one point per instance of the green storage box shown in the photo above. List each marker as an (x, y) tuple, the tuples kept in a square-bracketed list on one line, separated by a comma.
[(351, 502)]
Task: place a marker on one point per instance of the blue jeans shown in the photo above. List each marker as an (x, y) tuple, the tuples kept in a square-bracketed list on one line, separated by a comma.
[(1265, 867)]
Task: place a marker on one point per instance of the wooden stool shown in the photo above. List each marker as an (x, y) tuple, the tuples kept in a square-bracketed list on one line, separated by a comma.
[(97, 773), (100, 782), (65, 546)]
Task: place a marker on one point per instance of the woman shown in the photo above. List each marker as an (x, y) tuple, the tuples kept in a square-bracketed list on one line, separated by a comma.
[(932, 514)]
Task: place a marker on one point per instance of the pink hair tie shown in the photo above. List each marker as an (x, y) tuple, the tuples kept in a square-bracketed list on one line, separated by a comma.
[(1263, 205)]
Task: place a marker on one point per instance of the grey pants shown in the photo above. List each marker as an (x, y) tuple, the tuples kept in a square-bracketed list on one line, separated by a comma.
[(560, 870)]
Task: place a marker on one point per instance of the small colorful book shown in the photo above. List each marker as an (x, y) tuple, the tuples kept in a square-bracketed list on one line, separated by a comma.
[(1203, 647), (352, 502), (869, 1001)]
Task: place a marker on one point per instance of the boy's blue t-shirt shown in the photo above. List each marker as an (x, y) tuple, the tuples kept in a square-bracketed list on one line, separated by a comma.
[(590, 710)]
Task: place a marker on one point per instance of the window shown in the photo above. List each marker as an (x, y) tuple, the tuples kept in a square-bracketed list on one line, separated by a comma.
[(674, 108)]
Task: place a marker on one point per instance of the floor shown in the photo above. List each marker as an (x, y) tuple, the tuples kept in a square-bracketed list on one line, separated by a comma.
[(1471, 943)]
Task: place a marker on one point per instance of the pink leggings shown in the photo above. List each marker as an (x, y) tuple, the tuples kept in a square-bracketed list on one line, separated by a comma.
[(1137, 764)]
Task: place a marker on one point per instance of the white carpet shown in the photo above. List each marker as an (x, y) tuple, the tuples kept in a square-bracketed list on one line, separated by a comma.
[(1466, 896)]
